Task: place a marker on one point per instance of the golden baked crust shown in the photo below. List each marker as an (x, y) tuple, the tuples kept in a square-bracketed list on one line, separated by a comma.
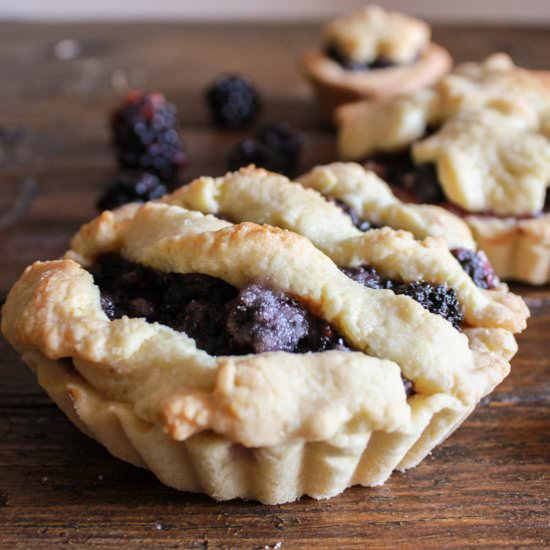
[(372, 32), (373, 200), (252, 426)]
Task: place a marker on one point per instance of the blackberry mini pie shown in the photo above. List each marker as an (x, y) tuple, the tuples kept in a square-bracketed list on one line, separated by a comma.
[(478, 144), (242, 359), (373, 53)]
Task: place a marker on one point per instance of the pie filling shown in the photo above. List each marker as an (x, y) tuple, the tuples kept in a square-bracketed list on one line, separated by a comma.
[(439, 299), (419, 183), (222, 319), (361, 224), (350, 64)]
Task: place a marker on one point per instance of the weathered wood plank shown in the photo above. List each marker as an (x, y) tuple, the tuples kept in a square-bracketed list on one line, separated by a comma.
[(485, 487)]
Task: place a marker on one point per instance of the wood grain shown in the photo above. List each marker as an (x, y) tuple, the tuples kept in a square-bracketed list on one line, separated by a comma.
[(487, 486)]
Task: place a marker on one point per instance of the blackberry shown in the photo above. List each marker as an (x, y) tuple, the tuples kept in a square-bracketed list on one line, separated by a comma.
[(204, 321), (264, 320), (233, 101), (420, 180), (426, 184), (284, 141), (145, 135), (275, 147), (130, 187), (477, 266), (322, 337), (438, 299), (249, 151), (221, 319), (362, 225), (367, 275)]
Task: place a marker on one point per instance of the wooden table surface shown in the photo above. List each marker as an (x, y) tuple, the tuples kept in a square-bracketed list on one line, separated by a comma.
[(488, 486)]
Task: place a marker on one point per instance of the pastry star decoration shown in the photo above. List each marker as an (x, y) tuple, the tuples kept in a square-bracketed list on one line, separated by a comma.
[(373, 32), (489, 162)]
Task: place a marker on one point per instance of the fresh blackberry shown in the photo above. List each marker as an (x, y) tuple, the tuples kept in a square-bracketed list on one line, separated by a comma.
[(284, 141), (367, 275), (477, 266), (145, 135), (131, 187), (249, 151), (275, 147), (438, 299), (233, 101)]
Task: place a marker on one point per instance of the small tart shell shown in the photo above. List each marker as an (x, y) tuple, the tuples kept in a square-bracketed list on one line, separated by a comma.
[(335, 85), (271, 426)]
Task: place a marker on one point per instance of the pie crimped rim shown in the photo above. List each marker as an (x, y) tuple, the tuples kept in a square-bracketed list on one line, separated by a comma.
[(188, 429)]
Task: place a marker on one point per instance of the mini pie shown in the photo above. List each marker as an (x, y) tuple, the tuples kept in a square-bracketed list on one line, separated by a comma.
[(476, 143), (373, 53), (289, 355)]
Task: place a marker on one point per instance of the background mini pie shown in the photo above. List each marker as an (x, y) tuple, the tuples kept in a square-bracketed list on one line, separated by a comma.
[(245, 360), (373, 53), (476, 143)]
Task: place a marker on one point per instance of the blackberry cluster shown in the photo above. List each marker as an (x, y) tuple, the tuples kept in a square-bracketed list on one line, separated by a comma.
[(275, 147), (131, 187), (419, 180), (233, 101), (145, 135), (477, 266), (438, 299), (222, 320)]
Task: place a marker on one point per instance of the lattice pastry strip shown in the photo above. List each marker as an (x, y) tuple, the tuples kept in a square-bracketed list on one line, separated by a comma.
[(373, 200), (263, 197)]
